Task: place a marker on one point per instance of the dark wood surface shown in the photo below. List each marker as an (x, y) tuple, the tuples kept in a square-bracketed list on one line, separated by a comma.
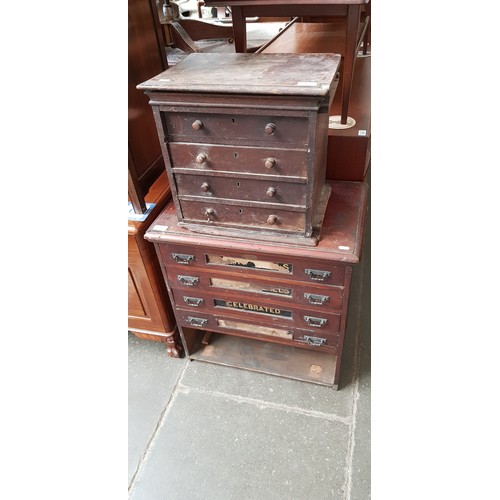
[(263, 74), (341, 234)]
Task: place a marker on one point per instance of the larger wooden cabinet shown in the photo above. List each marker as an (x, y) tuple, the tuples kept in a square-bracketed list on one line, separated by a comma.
[(275, 308)]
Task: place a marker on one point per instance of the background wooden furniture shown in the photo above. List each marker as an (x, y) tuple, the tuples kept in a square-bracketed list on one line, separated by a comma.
[(150, 313), (252, 304), (348, 148), (349, 10)]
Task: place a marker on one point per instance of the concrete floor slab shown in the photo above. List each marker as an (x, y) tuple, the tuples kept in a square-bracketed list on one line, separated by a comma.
[(269, 388), (212, 447), (152, 378)]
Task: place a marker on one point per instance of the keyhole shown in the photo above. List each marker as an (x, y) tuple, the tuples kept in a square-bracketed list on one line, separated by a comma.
[(235, 154), (240, 211), (238, 184), (233, 120)]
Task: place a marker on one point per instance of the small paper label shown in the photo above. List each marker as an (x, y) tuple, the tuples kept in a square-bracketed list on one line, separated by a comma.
[(361, 132), (159, 227), (307, 84), (342, 247)]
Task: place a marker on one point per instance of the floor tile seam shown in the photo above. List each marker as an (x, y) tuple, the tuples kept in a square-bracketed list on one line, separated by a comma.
[(357, 364), (159, 425), (268, 404)]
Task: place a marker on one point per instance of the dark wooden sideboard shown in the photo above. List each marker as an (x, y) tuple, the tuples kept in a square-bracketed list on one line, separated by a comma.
[(150, 313), (270, 307)]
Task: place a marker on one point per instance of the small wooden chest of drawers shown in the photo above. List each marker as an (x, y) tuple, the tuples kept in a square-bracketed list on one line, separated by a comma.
[(245, 292), (244, 137)]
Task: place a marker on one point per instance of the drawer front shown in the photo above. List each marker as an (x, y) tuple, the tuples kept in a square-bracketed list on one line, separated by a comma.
[(228, 128), (245, 217), (250, 266), (248, 327), (310, 296), (266, 311), (241, 189), (287, 162)]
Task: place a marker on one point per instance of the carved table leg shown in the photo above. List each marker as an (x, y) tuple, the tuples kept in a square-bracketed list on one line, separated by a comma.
[(174, 347)]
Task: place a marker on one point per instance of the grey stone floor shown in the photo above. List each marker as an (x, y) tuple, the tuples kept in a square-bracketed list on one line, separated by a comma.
[(203, 431)]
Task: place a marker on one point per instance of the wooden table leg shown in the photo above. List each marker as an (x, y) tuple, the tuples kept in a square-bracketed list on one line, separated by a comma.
[(239, 29), (351, 43)]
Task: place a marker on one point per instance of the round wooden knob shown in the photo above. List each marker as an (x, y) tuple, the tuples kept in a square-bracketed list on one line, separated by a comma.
[(270, 162), (270, 128), (210, 213), (201, 158), (272, 219), (271, 192), (197, 125), (205, 187)]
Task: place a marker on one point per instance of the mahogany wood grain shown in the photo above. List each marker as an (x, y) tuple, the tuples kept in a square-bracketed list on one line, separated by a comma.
[(150, 312)]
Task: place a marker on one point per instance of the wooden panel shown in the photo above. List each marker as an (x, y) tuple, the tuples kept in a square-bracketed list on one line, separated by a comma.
[(282, 333), (238, 188), (250, 217), (236, 128), (311, 295), (279, 266), (135, 304), (241, 159)]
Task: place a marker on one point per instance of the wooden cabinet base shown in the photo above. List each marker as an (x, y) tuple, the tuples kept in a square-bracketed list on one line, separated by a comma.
[(264, 357), (174, 349), (263, 306)]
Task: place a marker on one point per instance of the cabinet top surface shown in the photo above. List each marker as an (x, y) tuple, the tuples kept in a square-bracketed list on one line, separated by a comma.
[(243, 73), (341, 234)]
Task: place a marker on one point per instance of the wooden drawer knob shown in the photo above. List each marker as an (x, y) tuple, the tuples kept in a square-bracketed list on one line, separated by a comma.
[(270, 128), (272, 219), (197, 125), (270, 162), (201, 158), (210, 213), (271, 192), (205, 187)]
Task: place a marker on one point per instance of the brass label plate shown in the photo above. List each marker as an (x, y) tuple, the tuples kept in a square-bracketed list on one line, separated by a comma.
[(272, 311)]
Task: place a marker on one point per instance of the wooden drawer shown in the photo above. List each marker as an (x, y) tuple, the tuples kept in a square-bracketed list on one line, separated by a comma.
[(250, 328), (253, 265), (235, 188), (235, 127), (265, 310), (310, 296), (243, 159), (244, 215)]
